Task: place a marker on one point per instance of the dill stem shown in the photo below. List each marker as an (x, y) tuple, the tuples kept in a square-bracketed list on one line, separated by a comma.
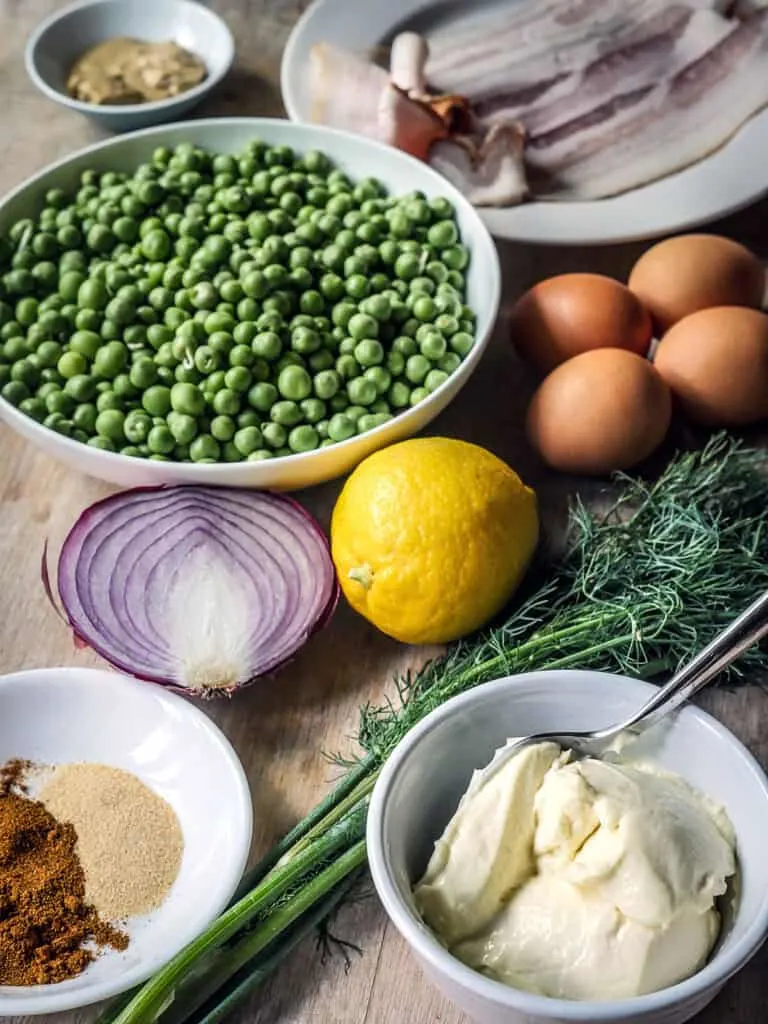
[(525, 652)]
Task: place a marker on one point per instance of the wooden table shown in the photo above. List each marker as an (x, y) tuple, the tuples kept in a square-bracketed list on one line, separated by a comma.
[(280, 728)]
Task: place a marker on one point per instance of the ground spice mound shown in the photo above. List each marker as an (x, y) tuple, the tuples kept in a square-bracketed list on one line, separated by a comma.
[(129, 840), (45, 921)]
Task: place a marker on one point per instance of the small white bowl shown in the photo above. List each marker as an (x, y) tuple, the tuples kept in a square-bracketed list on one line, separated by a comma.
[(421, 784), (63, 715), (360, 158), (57, 43)]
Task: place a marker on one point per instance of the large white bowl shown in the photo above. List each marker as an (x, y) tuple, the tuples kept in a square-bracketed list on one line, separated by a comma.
[(360, 158), (64, 715), (57, 42), (421, 783)]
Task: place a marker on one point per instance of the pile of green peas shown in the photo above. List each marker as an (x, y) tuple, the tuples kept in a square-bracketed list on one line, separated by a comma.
[(211, 307)]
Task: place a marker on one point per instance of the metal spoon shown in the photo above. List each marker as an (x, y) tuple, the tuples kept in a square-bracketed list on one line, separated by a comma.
[(744, 631)]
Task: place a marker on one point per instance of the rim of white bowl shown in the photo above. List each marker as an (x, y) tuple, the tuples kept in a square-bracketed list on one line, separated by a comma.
[(710, 978), (156, 106), (51, 1001), (207, 471)]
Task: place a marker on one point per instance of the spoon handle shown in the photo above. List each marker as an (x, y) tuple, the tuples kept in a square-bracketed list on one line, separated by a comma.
[(744, 631)]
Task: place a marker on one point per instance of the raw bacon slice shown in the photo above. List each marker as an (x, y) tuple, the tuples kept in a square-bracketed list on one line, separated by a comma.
[(490, 173), (649, 132), (353, 93)]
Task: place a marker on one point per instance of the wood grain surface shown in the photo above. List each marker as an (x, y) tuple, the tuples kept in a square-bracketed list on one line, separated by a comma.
[(280, 728)]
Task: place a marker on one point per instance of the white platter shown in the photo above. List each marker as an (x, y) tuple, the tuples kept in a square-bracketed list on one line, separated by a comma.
[(728, 180)]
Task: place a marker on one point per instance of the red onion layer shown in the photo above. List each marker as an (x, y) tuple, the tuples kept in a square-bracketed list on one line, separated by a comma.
[(200, 588)]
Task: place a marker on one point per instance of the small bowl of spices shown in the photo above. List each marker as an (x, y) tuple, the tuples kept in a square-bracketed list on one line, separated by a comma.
[(130, 63), (125, 826)]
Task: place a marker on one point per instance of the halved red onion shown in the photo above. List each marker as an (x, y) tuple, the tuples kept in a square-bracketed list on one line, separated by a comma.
[(200, 588)]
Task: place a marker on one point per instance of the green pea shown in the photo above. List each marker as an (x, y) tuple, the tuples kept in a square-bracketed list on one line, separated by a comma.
[(433, 345), (26, 311), (81, 387), (456, 257), (102, 443), (219, 322), (223, 428), (326, 384), (262, 396), (136, 426), (418, 395), (69, 285), (207, 360), (399, 395), (357, 286), (424, 308), (313, 409), (267, 345), (241, 355), (449, 363), (434, 379), (303, 439), (160, 440), (109, 424), (71, 364), (461, 343), (182, 427), (100, 239), (226, 402), (369, 353), (442, 234), (33, 407), (305, 340), (238, 378), (294, 383), (110, 359), (57, 401), (347, 367), (188, 399), (377, 306), (286, 413), (108, 400), (416, 368), (341, 427), (156, 400), (248, 440), (361, 391), (156, 244), (25, 372), (380, 377), (274, 435), (49, 353), (362, 326)]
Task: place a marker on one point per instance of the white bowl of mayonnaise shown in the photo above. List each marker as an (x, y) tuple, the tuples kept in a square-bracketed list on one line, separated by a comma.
[(572, 891)]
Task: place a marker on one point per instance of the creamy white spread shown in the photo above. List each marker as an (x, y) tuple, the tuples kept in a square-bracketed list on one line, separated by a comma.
[(580, 879)]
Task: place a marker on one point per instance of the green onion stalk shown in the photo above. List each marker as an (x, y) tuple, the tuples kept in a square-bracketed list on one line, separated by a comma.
[(638, 588)]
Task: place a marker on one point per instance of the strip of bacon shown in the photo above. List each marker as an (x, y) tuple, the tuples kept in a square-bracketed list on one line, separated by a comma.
[(645, 134)]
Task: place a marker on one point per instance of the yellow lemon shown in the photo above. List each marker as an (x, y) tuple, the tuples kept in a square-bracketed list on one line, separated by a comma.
[(431, 537)]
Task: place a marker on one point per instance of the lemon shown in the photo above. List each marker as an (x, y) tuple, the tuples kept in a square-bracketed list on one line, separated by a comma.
[(430, 538)]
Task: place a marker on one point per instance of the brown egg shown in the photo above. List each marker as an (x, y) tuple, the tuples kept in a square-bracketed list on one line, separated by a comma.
[(600, 411), (716, 363), (563, 316), (691, 272)]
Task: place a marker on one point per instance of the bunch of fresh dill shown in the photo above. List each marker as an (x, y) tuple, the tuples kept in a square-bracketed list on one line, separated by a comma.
[(637, 590)]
